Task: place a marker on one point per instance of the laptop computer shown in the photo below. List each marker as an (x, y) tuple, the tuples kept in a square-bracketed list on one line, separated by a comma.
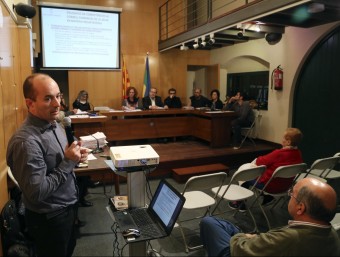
[(158, 219)]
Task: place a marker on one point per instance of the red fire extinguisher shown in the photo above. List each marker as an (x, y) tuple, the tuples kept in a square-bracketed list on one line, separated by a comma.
[(277, 78)]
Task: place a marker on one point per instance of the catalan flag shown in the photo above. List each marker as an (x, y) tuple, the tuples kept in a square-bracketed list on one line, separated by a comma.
[(147, 81), (125, 78)]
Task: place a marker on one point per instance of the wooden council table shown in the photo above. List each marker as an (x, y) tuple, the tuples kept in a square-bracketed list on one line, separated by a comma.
[(214, 127)]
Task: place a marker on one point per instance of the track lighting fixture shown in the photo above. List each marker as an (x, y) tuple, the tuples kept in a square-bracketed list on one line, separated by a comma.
[(183, 47), (203, 43), (212, 39), (196, 45), (241, 33)]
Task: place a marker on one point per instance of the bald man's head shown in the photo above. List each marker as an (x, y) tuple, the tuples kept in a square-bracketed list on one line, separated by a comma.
[(318, 197)]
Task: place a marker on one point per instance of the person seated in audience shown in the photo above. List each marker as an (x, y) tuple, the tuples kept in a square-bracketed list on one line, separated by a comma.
[(81, 103), (198, 100), (215, 102), (172, 101), (245, 116), (132, 101), (289, 154), (312, 206), (226, 100), (153, 101)]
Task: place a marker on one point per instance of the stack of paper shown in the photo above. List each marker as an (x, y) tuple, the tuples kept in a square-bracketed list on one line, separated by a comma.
[(94, 140)]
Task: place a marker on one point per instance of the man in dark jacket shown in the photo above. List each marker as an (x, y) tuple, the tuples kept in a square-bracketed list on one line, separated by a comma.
[(152, 101)]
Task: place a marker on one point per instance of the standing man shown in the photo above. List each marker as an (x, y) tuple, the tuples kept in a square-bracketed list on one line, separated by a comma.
[(42, 162), (312, 205), (245, 116), (172, 101), (153, 101), (198, 100)]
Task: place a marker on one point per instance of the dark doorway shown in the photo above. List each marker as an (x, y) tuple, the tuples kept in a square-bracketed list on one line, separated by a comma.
[(316, 109)]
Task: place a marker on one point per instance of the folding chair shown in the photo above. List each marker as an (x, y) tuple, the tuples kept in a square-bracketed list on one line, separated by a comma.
[(234, 192), (320, 168), (248, 132), (287, 171), (329, 171), (10, 174), (196, 198)]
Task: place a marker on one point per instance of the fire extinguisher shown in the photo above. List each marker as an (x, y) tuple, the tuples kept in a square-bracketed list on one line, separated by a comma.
[(277, 78)]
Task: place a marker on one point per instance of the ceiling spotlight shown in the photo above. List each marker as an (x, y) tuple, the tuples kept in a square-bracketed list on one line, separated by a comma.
[(203, 43), (241, 33), (212, 39), (183, 47), (196, 45)]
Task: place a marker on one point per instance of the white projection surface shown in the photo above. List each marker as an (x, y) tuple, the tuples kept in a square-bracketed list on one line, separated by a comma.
[(79, 38)]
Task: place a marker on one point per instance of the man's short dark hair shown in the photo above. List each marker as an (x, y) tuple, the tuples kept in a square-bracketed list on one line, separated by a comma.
[(171, 89), (28, 89)]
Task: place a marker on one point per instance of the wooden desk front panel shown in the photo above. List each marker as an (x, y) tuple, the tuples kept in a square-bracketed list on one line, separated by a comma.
[(140, 128), (201, 128), (85, 129), (212, 127)]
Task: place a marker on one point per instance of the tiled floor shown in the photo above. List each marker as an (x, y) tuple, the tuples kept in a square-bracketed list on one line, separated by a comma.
[(97, 237)]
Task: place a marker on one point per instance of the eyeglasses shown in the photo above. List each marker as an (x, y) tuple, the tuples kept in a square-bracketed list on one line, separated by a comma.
[(290, 194)]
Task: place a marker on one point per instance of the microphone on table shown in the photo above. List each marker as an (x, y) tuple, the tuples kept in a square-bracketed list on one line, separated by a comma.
[(68, 130)]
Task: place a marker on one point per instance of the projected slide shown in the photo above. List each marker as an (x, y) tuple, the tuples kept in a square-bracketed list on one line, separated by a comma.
[(74, 38)]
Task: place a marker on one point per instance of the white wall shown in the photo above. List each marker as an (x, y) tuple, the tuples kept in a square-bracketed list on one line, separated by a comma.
[(290, 53)]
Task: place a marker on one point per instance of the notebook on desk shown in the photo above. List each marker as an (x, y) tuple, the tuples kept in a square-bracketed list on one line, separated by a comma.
[(158, 219)]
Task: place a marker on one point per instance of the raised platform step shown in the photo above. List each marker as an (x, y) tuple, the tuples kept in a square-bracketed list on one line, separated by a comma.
[(181, 175)]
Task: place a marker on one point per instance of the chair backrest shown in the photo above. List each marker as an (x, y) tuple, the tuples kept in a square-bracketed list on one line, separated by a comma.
[(207, 181), (248, 174), (256, 122), (325, 164), (245, 175), (287, 171)]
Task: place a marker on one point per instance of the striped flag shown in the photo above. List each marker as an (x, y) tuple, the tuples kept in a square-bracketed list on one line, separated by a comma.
[(125, 78), (147, 82)]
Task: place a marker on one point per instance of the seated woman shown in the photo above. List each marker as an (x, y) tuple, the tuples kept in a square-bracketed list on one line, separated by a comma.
[(215, 102), (132, 101), (81, 103), (289, 154)]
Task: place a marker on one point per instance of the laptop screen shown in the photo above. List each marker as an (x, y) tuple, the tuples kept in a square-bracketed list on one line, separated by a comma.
[(166, 205)]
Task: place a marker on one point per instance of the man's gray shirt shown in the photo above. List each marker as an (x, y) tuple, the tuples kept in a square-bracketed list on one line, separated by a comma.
[(35, 155)]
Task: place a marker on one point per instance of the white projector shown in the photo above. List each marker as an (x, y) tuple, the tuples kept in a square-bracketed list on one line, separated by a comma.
[(134, 157)]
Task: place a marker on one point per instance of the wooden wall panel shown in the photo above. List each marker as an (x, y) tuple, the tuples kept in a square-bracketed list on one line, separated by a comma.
[(12, 59)]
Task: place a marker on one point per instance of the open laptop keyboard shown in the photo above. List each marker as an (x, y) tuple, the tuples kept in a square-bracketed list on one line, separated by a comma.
[(147, 227)]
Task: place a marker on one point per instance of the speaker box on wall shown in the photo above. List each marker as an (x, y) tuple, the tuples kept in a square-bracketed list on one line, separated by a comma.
[(24, 10), (273, 38)]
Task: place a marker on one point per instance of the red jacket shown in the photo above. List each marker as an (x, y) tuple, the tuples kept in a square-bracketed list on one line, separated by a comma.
[(276, 158)]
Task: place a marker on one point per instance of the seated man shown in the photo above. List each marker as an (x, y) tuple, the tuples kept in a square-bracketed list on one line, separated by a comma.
[(172, 101), (198, 100), (245, 116), (312, 206), (152, 101)]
